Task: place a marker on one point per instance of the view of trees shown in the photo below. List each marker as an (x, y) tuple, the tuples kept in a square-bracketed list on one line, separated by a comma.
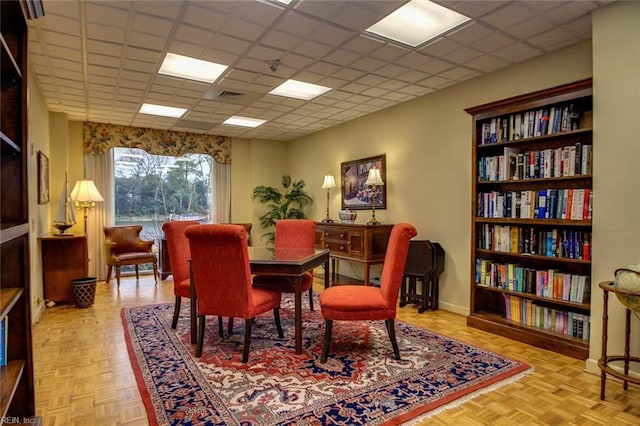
[(156, 187)]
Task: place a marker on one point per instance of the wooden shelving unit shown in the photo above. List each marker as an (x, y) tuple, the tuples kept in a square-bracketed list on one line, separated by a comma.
[(17, 383), (521, 161)]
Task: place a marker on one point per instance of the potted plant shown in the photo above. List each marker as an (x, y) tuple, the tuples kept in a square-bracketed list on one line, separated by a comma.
[(286, 204)]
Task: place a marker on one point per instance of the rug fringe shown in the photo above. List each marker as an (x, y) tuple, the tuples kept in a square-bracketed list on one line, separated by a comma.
[(416, 421)]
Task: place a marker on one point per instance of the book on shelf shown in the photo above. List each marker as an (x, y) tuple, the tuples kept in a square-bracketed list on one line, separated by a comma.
[(3, 341)]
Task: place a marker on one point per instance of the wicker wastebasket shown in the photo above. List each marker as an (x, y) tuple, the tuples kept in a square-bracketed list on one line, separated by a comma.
[(84, 291)]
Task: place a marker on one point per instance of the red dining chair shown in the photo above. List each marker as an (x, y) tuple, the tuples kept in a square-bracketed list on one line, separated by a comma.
[(221, 274), (291, 233), (363, 302), (179, 256)]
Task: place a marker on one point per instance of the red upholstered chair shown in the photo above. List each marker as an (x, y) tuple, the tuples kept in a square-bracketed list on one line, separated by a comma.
[(222, 277), (359, 302), (123, 246), (179, 256), (291, 233)]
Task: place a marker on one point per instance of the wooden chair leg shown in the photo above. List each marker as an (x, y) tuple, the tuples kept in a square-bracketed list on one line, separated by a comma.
[(247, 339), (200, 336), (392, 335), (176, 312), (328, 324), (276, 317), (220, 327), (155, 272), (311, 298), (118, 274), (194, 320), (137, 273), (109, 269), (230, 326)]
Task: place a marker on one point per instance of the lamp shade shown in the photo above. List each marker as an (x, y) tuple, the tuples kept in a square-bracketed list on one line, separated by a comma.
[(329, 182), (374, 178), (85, 191)]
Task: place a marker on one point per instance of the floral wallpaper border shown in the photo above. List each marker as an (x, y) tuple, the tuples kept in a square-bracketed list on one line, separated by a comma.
[(98, 138)]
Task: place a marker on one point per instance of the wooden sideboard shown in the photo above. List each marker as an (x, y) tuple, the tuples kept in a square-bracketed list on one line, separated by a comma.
[(63, 259), (365, 244)]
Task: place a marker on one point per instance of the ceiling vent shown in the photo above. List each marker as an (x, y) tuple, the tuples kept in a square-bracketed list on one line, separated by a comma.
[(230, 95)]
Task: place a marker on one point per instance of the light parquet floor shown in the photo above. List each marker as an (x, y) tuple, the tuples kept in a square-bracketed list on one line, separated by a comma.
[(83, 375)]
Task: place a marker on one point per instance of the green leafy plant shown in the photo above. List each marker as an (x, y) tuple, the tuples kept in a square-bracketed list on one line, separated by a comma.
[(286, 204)]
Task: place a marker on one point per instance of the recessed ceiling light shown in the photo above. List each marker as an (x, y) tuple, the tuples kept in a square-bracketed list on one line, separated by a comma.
[(191, 68), (299, 90), (417, 22), (236, 120), (164, 111)]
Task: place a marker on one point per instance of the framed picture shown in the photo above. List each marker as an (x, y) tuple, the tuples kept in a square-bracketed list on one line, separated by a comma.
[(356, 195), (43, 178)]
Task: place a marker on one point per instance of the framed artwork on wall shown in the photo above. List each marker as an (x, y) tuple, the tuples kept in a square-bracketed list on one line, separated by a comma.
[(43, 178), (356, 195)]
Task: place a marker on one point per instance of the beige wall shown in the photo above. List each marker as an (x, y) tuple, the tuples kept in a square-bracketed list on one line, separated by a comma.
[(428, 147), (616, 153), (38, 213)]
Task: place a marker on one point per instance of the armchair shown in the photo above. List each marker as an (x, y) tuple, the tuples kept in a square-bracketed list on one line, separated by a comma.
[(123, 246)]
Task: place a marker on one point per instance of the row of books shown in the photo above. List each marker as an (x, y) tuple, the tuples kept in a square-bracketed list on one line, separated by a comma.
[(3, 341), (565, 323), (529, 124), (562, 243), (549, 283), (568, 204), (514, 164)]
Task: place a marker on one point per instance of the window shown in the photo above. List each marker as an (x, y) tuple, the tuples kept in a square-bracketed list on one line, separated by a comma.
[(152, 189)]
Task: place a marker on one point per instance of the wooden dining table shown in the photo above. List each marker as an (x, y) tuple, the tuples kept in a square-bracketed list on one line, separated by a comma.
[(292, 263)]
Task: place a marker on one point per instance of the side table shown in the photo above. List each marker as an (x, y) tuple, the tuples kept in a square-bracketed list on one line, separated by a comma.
[(605, 360), (63, 259)]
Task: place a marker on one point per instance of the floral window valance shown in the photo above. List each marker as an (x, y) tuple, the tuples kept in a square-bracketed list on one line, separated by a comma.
[(98, 138)]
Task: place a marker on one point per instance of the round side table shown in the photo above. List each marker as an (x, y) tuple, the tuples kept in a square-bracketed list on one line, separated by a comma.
[(605, 360)]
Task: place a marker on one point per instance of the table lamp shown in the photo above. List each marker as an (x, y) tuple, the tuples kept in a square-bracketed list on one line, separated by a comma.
[(373, 180), (85, 195), (329, 182)]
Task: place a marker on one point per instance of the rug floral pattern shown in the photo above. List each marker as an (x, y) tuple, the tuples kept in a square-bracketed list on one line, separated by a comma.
[(361, 382)]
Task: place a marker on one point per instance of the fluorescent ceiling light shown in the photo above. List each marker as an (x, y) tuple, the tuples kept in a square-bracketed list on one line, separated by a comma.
[(417, 22), (164, 111), (285, 2), (191, 68), (236, 120), (299, 90)]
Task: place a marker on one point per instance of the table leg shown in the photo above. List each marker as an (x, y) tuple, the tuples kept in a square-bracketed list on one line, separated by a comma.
[(326, 274), (298, 313), (366, 274), (603, 357)]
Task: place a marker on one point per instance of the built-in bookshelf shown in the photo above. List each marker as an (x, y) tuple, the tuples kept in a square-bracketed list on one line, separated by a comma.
[(17, 390), (532, 206)]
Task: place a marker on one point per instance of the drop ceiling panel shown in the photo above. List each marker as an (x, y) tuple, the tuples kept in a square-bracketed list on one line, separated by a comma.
[(98, 60)]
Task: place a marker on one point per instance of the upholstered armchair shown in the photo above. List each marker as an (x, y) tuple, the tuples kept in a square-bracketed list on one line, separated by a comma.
[(291, 233), (221, 274), (123, 246), (364, 302)]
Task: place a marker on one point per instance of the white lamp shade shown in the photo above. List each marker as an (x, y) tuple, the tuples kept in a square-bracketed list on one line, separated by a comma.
[(374, 178), (85, 191), (329, 182)]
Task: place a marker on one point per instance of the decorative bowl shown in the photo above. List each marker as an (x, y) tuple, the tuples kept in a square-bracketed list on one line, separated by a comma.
[(347, 216)]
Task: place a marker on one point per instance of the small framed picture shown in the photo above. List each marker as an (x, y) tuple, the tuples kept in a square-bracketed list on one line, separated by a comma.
[(43, 178), (356, 195)]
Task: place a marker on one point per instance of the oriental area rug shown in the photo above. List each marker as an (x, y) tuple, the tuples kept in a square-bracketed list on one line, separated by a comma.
[(360, 384)]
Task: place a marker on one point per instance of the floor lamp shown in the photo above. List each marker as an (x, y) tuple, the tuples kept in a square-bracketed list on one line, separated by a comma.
[(374, 180), (329, 182), (85, 195)]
